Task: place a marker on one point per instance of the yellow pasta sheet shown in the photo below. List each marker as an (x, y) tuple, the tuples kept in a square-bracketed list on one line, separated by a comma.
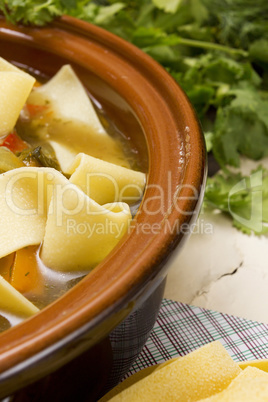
[(68, 99), (206, 375), (25, 195), (75, 123), (80, 232), (40, 205), (65, 155), (200, 374), (249, 386), (106, 182), (15, 88), (12, 301)]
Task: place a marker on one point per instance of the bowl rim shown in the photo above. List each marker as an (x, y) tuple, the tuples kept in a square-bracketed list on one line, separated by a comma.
[(77, 312)]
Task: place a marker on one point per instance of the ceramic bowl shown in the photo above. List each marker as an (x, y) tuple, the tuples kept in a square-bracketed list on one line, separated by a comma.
[(108, 316)]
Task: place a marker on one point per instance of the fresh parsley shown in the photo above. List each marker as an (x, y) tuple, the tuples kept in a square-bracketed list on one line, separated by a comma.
[(243, 198)]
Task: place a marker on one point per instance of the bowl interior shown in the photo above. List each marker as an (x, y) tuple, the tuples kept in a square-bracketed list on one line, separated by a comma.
[(154, 114)]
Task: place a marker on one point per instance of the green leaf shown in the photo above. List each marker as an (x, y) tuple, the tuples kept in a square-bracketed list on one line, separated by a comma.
[(164, 54), (42, 155), (258, 50), (251, 100), (106, 13), (208, 139), (69, 3), (201, 96), (31, 12), (238, 22), (169, 6), (199, 10), (243, 198), (238, 131)]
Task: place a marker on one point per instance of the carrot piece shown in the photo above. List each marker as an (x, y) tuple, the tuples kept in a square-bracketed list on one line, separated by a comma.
[(14, 143), (25, 275), (34, 110), (6, 266)]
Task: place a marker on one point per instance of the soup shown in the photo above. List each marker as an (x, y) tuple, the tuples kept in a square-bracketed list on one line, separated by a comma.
[(68, 189)]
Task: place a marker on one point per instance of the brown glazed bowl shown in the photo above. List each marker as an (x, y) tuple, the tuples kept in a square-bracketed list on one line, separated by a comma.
[(83, 343)]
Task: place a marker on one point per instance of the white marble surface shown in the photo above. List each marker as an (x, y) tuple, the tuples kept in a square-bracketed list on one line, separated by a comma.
[(222, 269)]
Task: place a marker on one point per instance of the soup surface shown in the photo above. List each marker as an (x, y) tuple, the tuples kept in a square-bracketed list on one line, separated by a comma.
[(69, 186)]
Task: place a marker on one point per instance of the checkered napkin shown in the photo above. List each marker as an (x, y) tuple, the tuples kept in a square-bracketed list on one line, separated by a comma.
[(181, 328)]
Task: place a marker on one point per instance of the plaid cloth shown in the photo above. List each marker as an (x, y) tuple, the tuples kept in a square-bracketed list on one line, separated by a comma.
[(181, 328)]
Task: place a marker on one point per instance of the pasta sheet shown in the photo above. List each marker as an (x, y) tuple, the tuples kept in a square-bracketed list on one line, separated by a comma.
[(80, 233), (106, 182), (12, 301), (249, 386), (75, 123), (15, 88), (40, 205), (25, 195)]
